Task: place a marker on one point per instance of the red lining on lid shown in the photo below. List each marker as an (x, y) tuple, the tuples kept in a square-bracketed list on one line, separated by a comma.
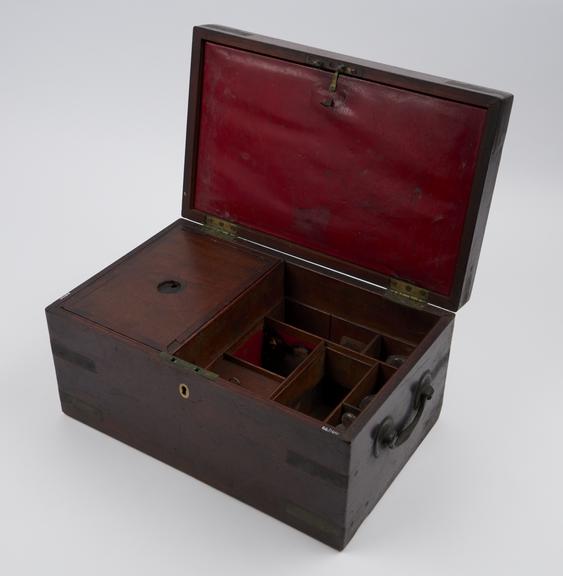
[(381, 179)]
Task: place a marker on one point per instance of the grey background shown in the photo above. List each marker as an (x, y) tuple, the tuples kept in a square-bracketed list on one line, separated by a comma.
[(92, 107)]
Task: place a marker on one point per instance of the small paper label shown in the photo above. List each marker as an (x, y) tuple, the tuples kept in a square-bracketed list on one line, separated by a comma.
[(330, 430)]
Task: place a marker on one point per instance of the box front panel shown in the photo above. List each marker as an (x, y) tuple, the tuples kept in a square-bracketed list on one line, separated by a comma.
[(253, 451)]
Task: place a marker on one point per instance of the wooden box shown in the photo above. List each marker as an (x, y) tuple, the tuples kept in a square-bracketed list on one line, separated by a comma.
[(286, 341)]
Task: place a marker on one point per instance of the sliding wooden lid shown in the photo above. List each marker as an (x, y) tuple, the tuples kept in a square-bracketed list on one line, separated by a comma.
[(373, 171)]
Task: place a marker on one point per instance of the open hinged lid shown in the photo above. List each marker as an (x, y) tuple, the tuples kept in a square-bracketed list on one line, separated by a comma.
[(380, 173)]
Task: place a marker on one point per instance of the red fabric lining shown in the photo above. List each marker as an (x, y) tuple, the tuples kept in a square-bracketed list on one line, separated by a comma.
[(382, 179), (251, 349)]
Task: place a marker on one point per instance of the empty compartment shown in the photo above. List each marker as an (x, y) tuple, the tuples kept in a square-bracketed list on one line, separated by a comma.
[(307, 318), (389, 350), (253, 378), (275, 346), (350, 335), (323, 383)]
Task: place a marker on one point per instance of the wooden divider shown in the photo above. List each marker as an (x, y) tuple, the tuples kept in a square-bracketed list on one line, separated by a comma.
[(316, 361)]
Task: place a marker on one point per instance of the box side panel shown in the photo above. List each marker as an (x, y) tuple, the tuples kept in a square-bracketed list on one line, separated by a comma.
[(371, 474), (255, 451)]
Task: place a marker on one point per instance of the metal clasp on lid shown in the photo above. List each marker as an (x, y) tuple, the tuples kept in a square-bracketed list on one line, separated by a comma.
[(329, 102)]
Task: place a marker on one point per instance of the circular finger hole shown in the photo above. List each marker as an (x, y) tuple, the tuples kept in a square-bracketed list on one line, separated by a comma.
[(184, 391), (169, 286)]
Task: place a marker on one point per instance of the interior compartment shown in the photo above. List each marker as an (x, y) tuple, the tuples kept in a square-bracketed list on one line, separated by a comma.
[(355, 304), (360, 396), (235, 320), (389, 350), (276, 347), (325, 325), (323, 383), (280, 331), (242, 373), (310, 342), (320, 305), (344, 333), (304, 317), (350, 335)]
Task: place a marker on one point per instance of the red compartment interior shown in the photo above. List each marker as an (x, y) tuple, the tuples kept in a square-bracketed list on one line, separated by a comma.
[(251, 349), (381, 179)]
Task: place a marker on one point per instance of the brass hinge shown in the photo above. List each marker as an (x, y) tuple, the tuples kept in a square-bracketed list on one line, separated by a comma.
[(221, 228), (406, 293)]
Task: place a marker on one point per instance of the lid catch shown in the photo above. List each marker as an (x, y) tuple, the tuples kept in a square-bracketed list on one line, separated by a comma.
[(329, 102)]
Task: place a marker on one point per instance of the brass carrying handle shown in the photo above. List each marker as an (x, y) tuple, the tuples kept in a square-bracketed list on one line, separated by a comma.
[(387, 436)]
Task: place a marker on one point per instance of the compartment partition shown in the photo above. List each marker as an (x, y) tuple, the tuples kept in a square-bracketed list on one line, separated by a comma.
[(253, 378), (361, 395), (327, 360), (356, 304), (348, 334), (323, 383), (325, 325), (275, 346), (388, 350), (306, 317)]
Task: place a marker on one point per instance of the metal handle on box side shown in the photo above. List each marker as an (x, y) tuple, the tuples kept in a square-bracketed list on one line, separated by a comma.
[(387, 435)]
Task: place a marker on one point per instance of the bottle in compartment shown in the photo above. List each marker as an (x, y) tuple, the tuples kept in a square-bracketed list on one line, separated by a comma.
[(278, 355), (323, 384), (275, 347)]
